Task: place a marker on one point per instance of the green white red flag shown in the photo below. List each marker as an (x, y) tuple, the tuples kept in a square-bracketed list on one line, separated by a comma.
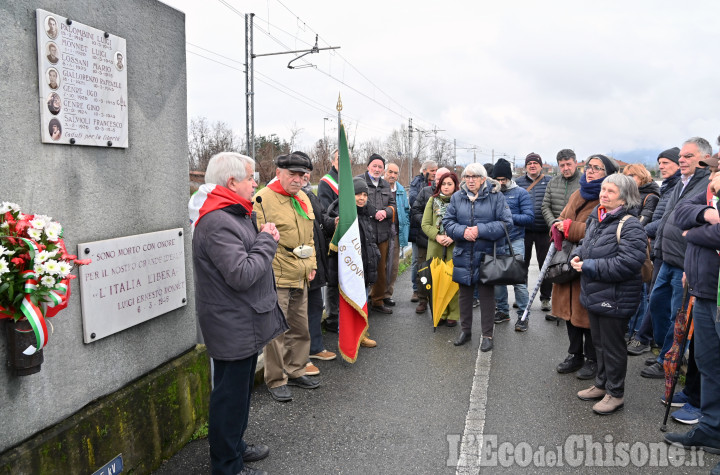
[(351, 276)]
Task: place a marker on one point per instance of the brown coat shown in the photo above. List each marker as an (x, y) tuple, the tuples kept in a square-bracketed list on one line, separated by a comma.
[(566, 297)]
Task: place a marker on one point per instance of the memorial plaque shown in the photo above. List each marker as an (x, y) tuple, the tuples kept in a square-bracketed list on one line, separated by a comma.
[(83, 83), (131, 280)]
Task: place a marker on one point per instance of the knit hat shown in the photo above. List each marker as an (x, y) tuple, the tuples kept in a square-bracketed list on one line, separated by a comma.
[(489, 168), (533, 157), (375, 156), (672, 154), (360, 185), (611, 165), (502, 169)]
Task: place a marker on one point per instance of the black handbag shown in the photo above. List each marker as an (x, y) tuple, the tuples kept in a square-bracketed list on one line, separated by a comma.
[(559, 270), (503, 270)]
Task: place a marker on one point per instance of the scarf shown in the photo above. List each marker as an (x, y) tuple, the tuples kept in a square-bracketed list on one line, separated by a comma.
[(211, 197), (440, 204), (590, 190), (669, 183), (299, 205)]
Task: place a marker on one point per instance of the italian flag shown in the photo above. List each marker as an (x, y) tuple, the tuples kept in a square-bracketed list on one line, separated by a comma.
[(346, 241)]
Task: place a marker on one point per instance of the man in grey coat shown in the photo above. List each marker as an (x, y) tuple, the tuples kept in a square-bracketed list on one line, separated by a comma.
[(236, 301)]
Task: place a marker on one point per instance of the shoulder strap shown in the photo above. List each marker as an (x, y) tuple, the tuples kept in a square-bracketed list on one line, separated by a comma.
[(619, 228), (537, 180)]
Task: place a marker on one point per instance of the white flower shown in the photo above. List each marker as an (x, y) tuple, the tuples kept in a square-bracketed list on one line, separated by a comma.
[(53, 231), (48, 281), (65, 268), (20, 216), (35, 234), (37, 223), (5, 225), (51, 267), (4, 266), (4, 250), (38, 268), (47, 219), (42, 256), (8, 206)]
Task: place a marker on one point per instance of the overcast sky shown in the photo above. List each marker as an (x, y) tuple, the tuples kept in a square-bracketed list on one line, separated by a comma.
[(630, 78)]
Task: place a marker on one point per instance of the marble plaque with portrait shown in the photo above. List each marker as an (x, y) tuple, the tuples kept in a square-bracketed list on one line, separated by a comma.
[(83, 83)]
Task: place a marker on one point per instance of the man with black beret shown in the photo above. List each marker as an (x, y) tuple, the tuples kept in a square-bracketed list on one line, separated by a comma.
[(284, 203), (382, 208)]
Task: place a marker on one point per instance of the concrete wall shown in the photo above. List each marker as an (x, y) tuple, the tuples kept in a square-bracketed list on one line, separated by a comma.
[(96, 194)]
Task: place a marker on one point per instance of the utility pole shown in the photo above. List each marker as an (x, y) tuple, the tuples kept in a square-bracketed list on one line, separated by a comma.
[(409, 153), (454, 154), (250, 77)]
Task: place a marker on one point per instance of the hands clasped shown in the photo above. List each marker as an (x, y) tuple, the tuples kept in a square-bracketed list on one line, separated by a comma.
[(271, 230)]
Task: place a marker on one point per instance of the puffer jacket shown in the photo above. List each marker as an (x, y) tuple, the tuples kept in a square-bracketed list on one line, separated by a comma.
[(403, 213), (649, 197), (557, 195), (610, 279), (670, 244), (235, 295), (536, 194), (491, 214), (521, 207), (416, 186), (290, 271), (416, 214), (370, 254), (380, 198), (703, 239), (666, 190)]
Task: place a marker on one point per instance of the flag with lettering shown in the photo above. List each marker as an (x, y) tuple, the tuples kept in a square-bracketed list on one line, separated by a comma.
[(351, 277)]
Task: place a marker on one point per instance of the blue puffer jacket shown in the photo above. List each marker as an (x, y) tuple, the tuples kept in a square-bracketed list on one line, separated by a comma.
[(703, 239), (610, 281), (403, 210), (536, 195), (490, 213), (521, 207)]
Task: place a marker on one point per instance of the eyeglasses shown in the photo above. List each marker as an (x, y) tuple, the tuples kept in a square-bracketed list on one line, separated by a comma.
[(597, 168), (472, 177)]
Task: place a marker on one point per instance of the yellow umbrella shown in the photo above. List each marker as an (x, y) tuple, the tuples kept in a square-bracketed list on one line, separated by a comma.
[(444, 289)]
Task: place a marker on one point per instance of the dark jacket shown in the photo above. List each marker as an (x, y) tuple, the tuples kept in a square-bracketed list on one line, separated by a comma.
[(703, 240), (370, 253), (610, 279), (557, 195), (416, 214), (488, 212), (416, 186), (521, 207), (235, 296), (320, 227), (669, 239), (649, 197), (381, 198), (536, 194), (325, 192), (666, 189)]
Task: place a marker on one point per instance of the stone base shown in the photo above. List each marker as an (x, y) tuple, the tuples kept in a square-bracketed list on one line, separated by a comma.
[(146, 422)]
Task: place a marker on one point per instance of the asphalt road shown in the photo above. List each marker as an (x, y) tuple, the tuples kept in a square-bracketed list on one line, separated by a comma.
[(418, 404)]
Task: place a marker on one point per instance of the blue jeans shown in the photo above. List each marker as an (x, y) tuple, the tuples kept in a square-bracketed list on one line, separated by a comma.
[(665, 301), (315, 310), (521, 291), (707, 357), (637, 319)]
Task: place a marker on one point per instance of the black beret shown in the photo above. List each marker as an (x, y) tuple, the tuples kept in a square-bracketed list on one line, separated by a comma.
[(295, 162)]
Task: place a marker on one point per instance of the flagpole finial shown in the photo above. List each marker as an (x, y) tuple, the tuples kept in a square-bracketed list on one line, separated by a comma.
[(339, 103)]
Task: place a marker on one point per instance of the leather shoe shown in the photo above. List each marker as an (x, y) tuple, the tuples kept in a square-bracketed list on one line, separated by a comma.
[(550, 318), (414, 297), (303, 382), (487, 344), (253, 453), (654, 371), (451, 323), (651, 361), (281, 393), (251, 471), (588, 371), (462, 338), (421, 307), (694, 438), (571, 364), (381, 309), (389, 302)]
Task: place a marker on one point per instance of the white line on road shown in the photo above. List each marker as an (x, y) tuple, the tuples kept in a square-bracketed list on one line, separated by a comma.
[(475, 421)]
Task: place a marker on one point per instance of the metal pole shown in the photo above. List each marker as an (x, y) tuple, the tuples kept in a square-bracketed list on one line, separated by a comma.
[(249, 86), (409, 152), (454, 154), (252, 88)]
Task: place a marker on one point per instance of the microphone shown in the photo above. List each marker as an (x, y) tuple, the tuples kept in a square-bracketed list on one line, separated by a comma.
[(258, 200)]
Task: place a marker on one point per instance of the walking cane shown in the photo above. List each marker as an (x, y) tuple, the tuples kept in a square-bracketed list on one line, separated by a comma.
[(681, 351)]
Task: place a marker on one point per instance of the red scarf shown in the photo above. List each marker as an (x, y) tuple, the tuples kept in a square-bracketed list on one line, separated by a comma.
[(298, 204)]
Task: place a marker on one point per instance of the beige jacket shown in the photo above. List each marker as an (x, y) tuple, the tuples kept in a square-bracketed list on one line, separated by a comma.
[(290, 271)]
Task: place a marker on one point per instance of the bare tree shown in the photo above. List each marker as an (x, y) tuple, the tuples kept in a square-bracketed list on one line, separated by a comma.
[(205, 140)]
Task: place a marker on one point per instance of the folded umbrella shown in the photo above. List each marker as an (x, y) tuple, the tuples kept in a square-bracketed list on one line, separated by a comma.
[(444, 288), (681, 334), (557, 240)]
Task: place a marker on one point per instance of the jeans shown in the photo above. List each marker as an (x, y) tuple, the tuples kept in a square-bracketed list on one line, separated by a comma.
[(315, 310), (637, 319), (665, 301), (521, 292), (707, 356), (541, 240)]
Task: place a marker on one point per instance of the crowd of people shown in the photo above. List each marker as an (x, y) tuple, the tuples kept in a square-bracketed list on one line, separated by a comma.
[(639, 248)]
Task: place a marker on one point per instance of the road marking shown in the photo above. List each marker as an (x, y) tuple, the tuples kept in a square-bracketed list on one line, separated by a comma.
[(472, 438)]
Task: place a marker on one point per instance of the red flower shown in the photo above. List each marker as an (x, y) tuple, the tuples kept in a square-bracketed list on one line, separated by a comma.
[(18, 261), (82, 262)]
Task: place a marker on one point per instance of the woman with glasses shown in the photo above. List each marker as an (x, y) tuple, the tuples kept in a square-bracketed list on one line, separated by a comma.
[(439, 243), (566, 297), (475, 218)]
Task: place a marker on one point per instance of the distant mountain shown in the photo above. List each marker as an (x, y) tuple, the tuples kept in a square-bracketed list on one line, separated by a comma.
[(646, 156)]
